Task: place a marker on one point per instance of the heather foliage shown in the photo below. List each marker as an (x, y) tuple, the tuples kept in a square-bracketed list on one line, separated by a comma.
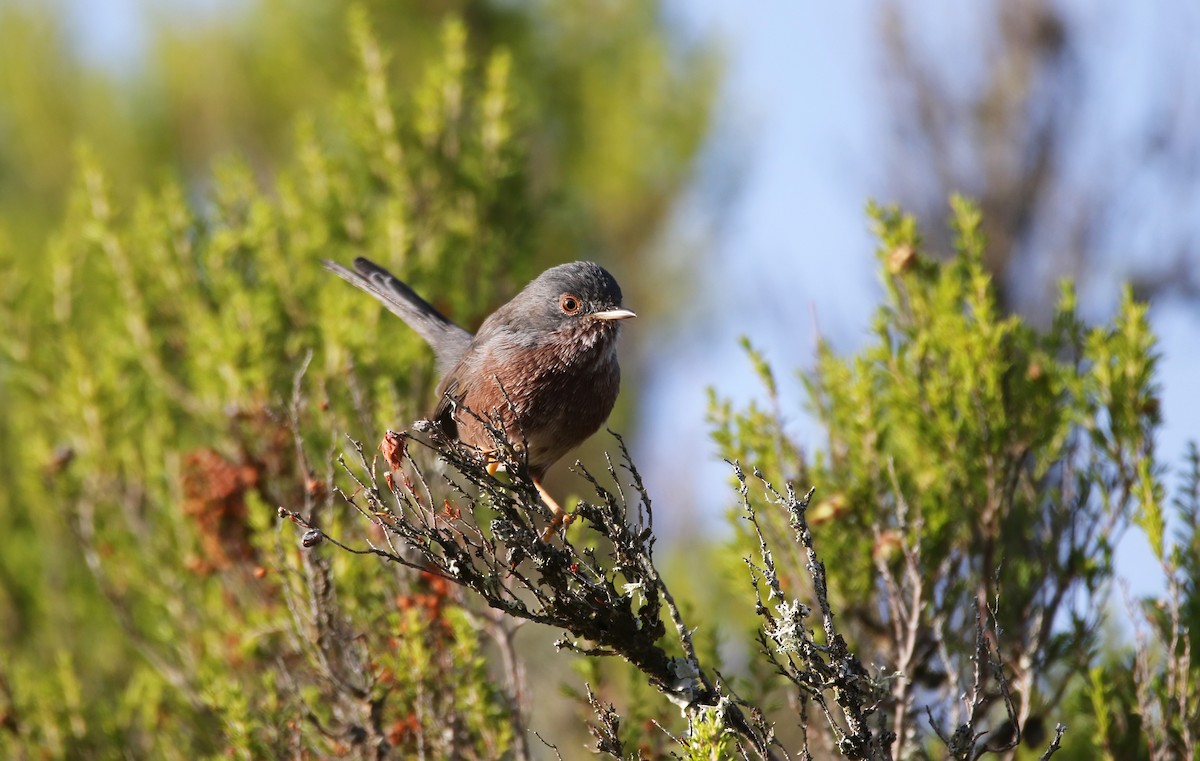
[(977, 474)]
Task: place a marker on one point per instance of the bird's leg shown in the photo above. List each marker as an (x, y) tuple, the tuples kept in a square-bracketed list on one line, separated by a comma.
[(491, 461), (561, 518)]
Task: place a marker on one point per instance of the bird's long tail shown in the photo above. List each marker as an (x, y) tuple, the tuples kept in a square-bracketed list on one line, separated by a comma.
[(449, 341)]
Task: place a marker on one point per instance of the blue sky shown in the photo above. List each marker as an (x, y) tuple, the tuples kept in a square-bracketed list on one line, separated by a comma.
[(801, 126)]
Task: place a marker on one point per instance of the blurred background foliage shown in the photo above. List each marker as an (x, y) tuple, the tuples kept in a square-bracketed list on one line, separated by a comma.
[(161, 231), (232, 82)]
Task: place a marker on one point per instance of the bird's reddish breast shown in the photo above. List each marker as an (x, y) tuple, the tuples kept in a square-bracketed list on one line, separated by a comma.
[(559, 401)]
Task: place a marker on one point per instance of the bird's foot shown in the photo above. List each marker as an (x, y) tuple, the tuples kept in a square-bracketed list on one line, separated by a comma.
[(560, 518), (559, 521)]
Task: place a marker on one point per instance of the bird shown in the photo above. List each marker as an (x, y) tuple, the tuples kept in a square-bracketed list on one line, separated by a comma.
[(544, 364)]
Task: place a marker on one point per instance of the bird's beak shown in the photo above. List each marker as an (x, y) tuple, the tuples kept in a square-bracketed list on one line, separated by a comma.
[(614, 314)]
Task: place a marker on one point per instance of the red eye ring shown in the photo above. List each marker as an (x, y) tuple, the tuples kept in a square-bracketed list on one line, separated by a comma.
[(570, 303)]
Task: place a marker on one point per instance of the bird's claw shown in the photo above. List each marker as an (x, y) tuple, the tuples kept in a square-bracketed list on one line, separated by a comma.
[(559, 521)]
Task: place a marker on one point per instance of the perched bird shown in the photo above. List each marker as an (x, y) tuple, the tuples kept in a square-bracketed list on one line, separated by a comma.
[(545, 363)]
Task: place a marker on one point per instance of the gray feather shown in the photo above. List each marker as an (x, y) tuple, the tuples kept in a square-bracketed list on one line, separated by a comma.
[(449, 341)]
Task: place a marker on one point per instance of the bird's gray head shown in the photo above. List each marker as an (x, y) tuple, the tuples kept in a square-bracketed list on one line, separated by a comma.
[(580, 301)]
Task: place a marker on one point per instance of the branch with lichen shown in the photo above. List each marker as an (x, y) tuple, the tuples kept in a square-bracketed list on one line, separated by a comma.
[(818, 668), (828, 674), (478, 531)]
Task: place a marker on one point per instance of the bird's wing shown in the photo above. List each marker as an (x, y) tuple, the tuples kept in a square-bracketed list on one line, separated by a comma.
[(443, 413), (449, 341)]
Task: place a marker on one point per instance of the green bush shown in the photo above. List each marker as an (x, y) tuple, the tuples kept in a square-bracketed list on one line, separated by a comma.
[(977, 475)]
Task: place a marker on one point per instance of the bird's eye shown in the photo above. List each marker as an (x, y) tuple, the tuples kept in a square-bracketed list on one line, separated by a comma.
[(570, 303)]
